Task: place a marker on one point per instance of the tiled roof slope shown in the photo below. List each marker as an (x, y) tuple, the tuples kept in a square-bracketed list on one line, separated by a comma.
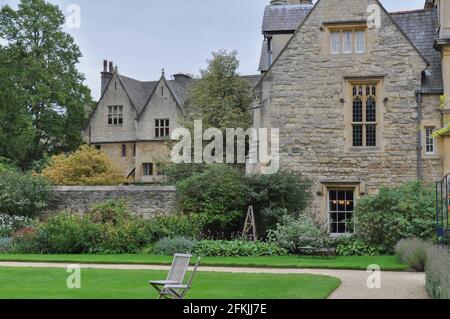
[(421, 28), (284, 17), (139, 92)]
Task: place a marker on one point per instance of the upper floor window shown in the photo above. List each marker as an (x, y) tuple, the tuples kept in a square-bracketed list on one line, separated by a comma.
[(347, 41), (115, 115), (430, 141), (364, 115), (162, 128), (147, 169)]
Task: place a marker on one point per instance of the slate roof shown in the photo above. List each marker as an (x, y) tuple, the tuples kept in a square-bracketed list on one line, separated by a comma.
[(284, 17), (421, 28), (140, 92)]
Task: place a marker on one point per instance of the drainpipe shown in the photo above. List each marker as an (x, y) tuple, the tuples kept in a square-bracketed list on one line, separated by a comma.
[(419, 135)]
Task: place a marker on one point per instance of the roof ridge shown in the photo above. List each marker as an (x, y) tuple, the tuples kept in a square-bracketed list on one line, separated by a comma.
[(411, 11)]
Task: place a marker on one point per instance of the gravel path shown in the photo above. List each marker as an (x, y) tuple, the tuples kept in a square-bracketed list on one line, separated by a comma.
[(394, 285)]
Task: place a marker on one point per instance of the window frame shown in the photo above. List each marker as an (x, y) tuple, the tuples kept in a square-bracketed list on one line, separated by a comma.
[(162, 131), (340, 31), (365, 124), (124, 150), (115, 115), (150, 171), (329, 203), (429, 140)]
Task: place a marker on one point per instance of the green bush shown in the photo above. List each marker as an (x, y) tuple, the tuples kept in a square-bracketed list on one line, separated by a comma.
[(397, 213), (107, 228), (413, 252), (236, 248), (6, 245), (272, 196), (12, 224), (25, 241), (171, 226), (171, 246), (24, 194), (178, 172), (438, 273), (302, 231), (352, 246), (219, 194)]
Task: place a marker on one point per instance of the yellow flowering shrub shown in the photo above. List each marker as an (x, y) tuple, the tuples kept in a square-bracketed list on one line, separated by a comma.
[(87, 166)]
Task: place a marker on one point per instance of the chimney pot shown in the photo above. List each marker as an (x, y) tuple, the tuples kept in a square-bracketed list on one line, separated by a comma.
[(105, 66), (111, 68)]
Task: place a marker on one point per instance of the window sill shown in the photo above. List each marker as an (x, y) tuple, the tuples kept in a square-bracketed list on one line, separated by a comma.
[(373, 149)]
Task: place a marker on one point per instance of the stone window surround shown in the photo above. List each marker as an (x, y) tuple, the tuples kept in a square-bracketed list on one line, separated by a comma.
[(430, 143), (348, 112), (429, 123), (115, 114), (325, 187), (328, 28)]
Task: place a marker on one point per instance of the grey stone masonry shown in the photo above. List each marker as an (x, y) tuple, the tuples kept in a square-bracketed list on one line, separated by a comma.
[(146, 201)]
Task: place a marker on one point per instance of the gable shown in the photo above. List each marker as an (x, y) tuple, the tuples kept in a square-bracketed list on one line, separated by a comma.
[(342, 11)]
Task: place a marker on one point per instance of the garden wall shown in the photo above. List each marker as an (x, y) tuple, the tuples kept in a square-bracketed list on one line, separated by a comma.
[(147, 201)]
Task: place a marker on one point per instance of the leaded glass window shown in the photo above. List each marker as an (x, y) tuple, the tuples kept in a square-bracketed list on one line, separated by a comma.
[(364, 118)]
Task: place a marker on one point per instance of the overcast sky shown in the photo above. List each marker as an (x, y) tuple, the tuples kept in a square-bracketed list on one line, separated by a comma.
[(144, 36)]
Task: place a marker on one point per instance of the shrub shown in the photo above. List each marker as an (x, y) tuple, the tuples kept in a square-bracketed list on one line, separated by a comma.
[(107, 228), (11, 224), (178, 172), (397, 213), (25, 241), (5, 245), (303, 231), (272, 196), (171, 246), (413, 252), (438, 273), (171, 226), (6, 165), (24, 194), (236, 248), (86, 166), (352, 246), (219, 194)]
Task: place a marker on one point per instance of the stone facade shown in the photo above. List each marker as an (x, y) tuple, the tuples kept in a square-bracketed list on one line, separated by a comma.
[(146, 201), (306, 93)]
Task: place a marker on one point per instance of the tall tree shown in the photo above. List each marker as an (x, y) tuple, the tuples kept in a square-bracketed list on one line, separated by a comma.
[(54, 95), (220, 98)]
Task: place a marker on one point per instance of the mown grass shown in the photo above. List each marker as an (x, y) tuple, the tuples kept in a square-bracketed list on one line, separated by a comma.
[(50, 283), (387, 263)]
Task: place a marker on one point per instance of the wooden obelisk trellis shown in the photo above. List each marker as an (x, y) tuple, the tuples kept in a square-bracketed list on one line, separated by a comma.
[(250, 226)]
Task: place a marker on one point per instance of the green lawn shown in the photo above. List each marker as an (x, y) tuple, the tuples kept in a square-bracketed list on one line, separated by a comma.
[(386, 263), (50, 283)]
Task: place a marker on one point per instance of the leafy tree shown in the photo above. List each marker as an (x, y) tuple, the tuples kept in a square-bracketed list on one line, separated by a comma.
[(220, 98), (16, 131), (52, 93), (87, 166)]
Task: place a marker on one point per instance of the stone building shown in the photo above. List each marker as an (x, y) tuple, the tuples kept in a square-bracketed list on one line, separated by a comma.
[(133, 120), (356, 94)]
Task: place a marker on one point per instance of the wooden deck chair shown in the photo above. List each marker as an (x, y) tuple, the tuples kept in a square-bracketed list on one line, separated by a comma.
[(180, 265), (171, 291)]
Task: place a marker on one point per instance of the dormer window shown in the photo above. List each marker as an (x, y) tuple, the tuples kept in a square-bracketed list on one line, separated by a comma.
[(115, 115), (347, 39)]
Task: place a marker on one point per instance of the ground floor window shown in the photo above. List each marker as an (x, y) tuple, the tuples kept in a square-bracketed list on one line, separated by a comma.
[(147, 169), (341, 211)]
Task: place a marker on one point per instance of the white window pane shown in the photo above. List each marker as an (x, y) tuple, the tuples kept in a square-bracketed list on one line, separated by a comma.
[(430, 146), (348, 37), (360, 42), (335, 42)]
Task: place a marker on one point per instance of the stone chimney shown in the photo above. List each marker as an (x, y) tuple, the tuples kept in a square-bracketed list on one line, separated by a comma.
[(106, 75)]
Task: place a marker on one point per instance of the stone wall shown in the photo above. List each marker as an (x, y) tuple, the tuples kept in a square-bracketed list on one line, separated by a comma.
[(146, 201)]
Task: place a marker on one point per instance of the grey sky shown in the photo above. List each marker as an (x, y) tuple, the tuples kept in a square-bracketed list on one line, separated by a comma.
[(144, 36)]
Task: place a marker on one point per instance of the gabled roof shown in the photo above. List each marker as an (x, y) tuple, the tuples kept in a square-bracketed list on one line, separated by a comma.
[(138, 91), (411, 30), (421, 28)]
